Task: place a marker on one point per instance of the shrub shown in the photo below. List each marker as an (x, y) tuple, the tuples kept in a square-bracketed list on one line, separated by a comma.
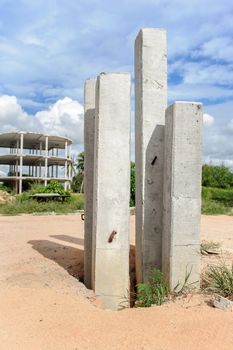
[(36, 188), (217, 200), (55, 187), (216, 176)]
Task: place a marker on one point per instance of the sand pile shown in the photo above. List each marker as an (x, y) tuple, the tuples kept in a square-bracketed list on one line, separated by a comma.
[(6, 198)]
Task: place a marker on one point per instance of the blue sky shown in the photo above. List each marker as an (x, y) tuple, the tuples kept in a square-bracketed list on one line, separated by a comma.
[(48, 48)]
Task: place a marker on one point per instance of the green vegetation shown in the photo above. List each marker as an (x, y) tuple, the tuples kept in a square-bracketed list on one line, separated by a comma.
[(217, 191), (217, 201), (25, 204), (5, 188), (77, 184), (219, 279), (132, 184), (52, 187), (217, 176), (154, 292), (29, 206)]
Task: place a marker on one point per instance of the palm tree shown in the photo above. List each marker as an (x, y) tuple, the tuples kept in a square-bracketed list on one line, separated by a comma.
[(79, 167), (80, 163)]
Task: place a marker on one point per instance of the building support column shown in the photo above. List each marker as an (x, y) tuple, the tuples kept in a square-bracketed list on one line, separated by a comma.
[(182, 193), (89, 142), (17, 168), (150, 105), (46, 162), (110, 271), (21, 164), (57, 165), (66, 153), (52, 165), (70, 175)]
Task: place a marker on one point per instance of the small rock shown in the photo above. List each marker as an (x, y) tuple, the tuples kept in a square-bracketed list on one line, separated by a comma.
[(223, 303)]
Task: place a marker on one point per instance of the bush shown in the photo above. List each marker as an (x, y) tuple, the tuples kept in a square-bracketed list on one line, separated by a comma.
[(217, 200), (216, 176), (55, 187), (36, 188), (52, 187)]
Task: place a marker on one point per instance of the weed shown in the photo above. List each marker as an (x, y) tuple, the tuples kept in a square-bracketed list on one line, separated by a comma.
[(154, 292), (184, 287), (219, 279)]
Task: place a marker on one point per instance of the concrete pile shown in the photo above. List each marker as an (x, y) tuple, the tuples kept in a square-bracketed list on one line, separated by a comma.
[(168, 152)]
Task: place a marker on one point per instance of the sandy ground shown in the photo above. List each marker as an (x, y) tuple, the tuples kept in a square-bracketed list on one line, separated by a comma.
[(44, 306)]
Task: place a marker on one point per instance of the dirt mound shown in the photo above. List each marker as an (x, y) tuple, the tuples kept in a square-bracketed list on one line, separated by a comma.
[(6, 198)]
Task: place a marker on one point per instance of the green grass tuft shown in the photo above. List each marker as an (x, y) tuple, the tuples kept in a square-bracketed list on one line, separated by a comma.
[(154, 292), (219, 279)]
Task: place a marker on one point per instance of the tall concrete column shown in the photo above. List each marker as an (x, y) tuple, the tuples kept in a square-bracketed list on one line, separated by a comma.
[(66, 165), (89, 139), (21, 164), (57, 165), (110, 273), (182, 193), (150, 105), (46, 161)]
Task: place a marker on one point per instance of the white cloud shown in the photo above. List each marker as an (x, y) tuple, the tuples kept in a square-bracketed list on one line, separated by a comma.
[(32, 40), (208, 120), (202, 72), (50, 56), (205, 73), (198, 92), (220, 48), (218, 139), (230, 128), (64, 118), (11, 114)]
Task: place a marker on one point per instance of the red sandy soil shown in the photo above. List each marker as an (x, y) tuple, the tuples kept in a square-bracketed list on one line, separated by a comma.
[(43, 306)]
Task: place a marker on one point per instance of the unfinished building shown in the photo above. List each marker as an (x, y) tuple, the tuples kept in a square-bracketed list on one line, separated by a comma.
[(28, 157)]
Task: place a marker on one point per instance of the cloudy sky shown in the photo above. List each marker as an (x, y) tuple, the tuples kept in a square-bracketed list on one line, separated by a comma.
[(48, 48)]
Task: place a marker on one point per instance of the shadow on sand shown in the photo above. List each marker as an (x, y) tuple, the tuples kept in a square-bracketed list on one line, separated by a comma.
[(71, 259), (69, 239)]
